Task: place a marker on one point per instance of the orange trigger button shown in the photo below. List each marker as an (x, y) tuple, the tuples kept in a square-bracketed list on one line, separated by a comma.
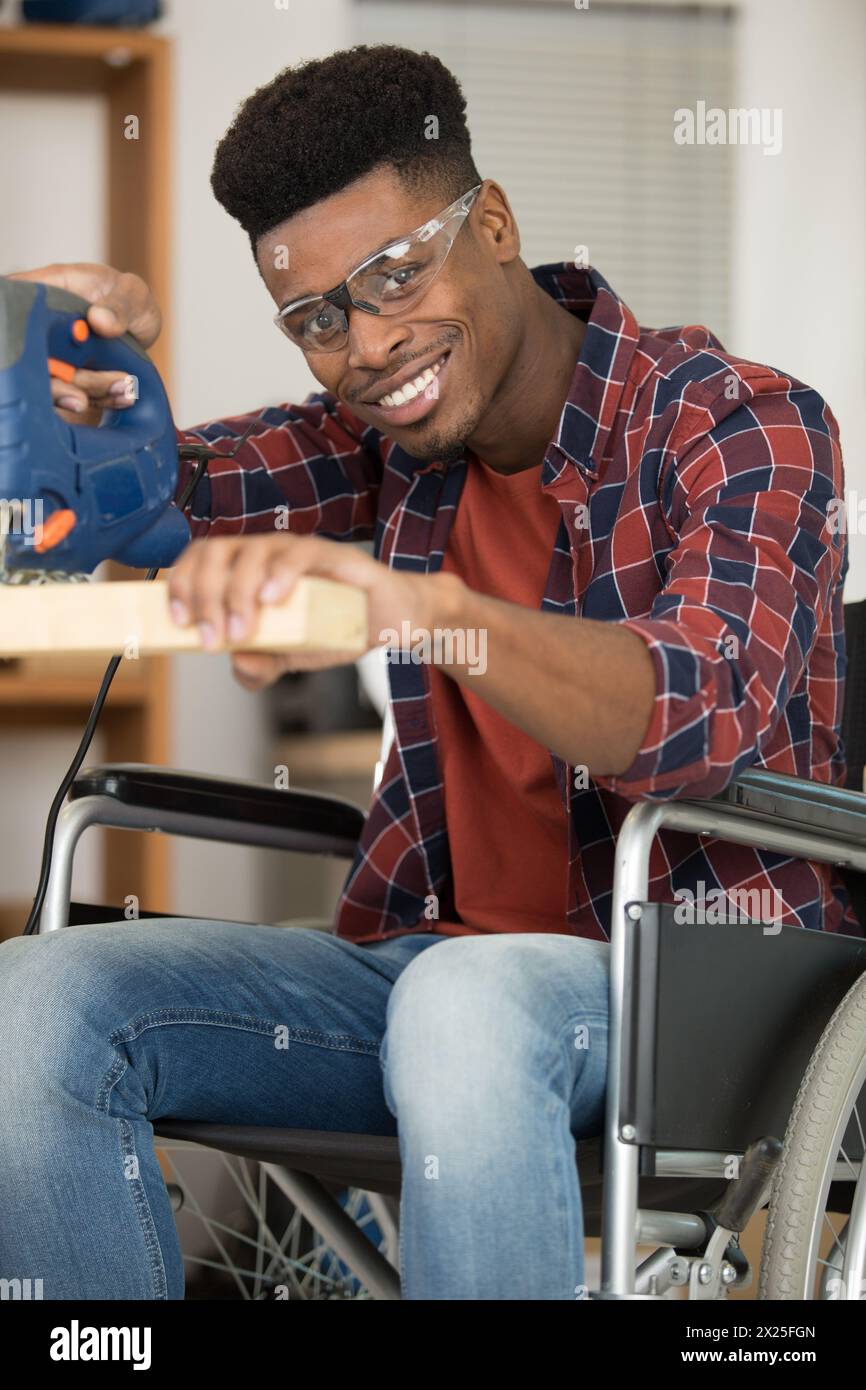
[(64, 371), (55, 529)]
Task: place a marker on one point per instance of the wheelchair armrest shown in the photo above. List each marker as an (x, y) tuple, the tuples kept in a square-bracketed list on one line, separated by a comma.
[(796, 802), (217, 808)]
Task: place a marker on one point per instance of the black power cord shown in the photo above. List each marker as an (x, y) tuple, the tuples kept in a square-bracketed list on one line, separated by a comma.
[(203, 454)]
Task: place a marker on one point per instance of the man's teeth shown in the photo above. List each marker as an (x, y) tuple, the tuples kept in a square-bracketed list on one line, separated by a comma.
[(413, 388)]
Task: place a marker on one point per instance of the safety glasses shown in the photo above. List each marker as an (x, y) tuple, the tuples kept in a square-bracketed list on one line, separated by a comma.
[(387, 282)]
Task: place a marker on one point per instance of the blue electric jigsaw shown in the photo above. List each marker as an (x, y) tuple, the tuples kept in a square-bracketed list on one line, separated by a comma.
[(84, 493)]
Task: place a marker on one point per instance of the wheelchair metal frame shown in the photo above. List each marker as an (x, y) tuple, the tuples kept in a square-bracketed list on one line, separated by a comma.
[(624, 1225)]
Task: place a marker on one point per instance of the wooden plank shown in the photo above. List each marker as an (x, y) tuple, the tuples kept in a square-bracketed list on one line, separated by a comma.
[(139, 180), (71, 58), (22, 701), (133, 618), (77, 41)]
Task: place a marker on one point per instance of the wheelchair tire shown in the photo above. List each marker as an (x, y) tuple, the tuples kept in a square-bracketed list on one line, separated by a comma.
[(818, 1123)]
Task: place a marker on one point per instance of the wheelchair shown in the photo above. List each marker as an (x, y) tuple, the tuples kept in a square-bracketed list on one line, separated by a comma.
[(736, 1053)]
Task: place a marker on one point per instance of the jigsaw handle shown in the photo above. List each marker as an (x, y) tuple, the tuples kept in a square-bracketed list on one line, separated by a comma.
[(118, 477), (69, 336), (71, 339)]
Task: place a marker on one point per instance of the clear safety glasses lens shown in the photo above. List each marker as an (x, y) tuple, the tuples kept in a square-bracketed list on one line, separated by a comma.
[(386, 284)]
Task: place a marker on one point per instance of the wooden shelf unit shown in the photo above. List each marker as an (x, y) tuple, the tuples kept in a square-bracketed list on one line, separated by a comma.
[(130, 69)]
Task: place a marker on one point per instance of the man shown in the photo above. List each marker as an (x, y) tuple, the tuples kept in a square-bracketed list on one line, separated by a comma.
[(624, 534)]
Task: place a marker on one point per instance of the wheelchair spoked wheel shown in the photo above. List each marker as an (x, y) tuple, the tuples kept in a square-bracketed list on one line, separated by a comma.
[(815, 1239), (261, 1246)]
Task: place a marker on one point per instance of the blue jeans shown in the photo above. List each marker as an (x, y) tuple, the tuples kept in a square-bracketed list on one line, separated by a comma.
[(487, 1056)]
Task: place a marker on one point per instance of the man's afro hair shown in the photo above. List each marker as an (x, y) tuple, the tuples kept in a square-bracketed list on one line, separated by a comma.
[(317, 127)]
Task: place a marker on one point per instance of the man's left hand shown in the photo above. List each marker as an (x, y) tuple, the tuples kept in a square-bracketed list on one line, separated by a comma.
[(220, 584)]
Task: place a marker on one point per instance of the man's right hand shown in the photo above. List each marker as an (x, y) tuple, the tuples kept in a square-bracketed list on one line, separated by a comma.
[(119, 303)]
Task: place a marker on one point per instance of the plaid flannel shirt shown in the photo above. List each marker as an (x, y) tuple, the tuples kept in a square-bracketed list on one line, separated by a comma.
[(694, 490)]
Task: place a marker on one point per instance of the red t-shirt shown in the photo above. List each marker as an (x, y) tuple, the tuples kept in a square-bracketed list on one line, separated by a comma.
[(504, 814)]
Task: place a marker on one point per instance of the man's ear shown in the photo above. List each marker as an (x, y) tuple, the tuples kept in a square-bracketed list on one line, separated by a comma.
[(496, 225)]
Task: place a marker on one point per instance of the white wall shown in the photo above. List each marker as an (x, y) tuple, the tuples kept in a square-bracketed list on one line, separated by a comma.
[(228, 357), (228, 354), (799, 292)]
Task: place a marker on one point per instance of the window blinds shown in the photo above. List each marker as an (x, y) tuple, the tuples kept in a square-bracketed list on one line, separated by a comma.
[(572, 112)]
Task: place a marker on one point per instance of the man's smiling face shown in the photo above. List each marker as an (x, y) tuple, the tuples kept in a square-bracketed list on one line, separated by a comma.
[(466, 316)]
